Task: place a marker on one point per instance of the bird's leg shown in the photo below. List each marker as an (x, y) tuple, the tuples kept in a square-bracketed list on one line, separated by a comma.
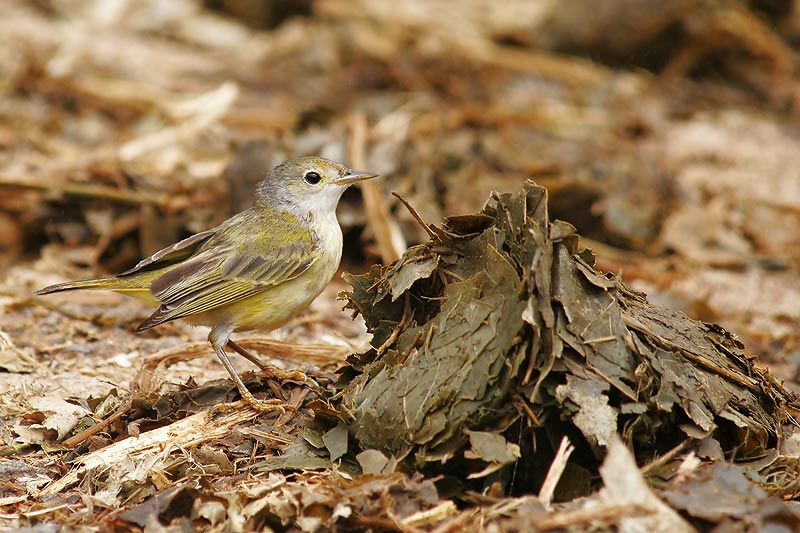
[(272, 371), (218, 339)]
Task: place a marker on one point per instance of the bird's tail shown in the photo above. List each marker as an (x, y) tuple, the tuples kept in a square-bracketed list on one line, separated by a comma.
[(96, 283)]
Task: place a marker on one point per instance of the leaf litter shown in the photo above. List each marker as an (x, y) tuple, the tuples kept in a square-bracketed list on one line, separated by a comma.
[(120, 117), (491, 343)]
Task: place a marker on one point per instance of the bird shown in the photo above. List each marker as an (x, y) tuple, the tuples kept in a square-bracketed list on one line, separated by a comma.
[(253, 272)]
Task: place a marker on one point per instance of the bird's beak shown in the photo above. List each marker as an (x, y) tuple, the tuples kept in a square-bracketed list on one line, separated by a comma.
[(354, 176)]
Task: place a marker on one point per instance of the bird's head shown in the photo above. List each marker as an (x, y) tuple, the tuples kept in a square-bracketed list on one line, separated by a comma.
[(308, 185)]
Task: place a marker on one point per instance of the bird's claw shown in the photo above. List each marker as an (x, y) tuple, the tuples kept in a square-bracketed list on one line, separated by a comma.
[(273, 372), (262, 406)]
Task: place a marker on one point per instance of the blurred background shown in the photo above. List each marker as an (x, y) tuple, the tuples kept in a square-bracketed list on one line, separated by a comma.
[(666, 132)]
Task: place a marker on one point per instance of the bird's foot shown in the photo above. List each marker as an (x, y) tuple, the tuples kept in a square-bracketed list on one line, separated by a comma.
[(262, 406), (273, 372)]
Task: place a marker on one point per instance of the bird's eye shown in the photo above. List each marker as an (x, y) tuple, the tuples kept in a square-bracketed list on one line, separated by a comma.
[(312, 177)]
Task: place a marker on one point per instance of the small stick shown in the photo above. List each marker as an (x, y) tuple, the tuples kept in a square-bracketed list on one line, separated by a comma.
[(388, 236), (89, 190), (97, 428), (557, 467), (398, 328), (664, 459), (416, 215)]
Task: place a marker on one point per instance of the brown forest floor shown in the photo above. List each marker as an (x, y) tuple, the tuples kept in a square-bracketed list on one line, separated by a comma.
[(666, 135)]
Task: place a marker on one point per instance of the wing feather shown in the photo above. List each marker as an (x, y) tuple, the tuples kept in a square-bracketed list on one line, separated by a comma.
[(171, 254)]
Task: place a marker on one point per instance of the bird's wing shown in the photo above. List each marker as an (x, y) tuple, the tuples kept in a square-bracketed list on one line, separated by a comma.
[(226, 271), (171, 254)]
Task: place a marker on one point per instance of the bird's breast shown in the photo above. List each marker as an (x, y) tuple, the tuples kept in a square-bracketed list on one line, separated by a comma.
[(328, 235), (276, 305)]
